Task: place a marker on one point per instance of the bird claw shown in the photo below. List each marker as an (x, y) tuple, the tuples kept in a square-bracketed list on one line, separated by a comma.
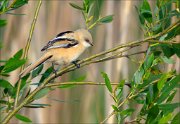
[(75, 63)]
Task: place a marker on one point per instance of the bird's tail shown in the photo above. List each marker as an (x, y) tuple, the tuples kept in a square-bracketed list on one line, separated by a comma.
[(34, 65)]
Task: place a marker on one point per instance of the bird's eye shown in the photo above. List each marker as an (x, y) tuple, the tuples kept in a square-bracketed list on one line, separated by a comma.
[(87, 40)]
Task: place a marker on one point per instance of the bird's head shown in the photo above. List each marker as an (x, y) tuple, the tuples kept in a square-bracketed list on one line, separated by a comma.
[(84, 37)]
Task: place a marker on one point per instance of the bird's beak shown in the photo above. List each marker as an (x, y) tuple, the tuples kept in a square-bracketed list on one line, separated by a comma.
[(91, 44)]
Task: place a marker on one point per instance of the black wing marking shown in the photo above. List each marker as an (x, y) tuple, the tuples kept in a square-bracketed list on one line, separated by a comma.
[(50, 44), (63, 33)]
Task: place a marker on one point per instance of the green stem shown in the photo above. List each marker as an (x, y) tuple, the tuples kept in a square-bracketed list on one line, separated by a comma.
[(25, 54)]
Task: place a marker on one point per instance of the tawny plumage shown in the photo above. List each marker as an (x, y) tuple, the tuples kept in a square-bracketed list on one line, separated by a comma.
[(65, 48)]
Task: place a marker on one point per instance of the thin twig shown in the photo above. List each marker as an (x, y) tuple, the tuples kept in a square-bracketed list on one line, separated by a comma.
[(77, 83), (26, 49)]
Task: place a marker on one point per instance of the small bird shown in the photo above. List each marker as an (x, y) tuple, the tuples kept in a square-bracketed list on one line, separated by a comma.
[(64, 49)]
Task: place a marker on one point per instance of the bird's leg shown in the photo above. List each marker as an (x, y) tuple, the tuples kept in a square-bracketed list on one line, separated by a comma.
[(54, 70), (75, 63)]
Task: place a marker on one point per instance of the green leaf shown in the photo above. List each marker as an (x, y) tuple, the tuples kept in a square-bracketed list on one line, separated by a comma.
[(168, 87), (170, 98), (107, 81), (176, 49), (22, 118), (139, 75), (37, 71), (106, 19), (167, 60), (169, 107), (18, 55), (76, 6), (165, 119), (3, 22), (162, 38), (46, 74), (14, 62), (167, 50), (145, 10), (176, 119), (42, 93), (149, 61), (115, 108), (152, 114), (36, 105), (4, 102), (126, 112), (19, 3), (162, 81), (5, 84)]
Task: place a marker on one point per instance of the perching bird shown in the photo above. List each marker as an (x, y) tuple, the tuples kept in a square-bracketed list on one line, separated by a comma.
[(64, 49)]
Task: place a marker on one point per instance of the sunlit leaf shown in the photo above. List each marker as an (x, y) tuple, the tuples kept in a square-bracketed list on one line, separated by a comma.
[(149, 61), (165, 119), (162, 80)]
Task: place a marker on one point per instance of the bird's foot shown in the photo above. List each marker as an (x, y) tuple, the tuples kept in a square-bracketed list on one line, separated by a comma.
[(76, 63)]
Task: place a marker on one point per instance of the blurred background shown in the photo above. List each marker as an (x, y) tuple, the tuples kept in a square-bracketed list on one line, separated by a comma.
[(80, 104)]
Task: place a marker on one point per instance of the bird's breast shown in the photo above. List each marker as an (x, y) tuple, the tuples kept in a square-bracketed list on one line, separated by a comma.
[(64, 56)]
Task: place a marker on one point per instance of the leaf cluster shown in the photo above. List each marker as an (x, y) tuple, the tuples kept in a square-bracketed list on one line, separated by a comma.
[(150, 86), (90, 10), (7, 6)]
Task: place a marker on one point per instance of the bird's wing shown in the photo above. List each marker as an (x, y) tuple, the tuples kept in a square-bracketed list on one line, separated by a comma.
[(62, 40)]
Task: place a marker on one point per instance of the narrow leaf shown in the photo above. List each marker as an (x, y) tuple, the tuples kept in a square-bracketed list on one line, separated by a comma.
[(5, 84), (41, 93), (106, 19), (76, 6), (107, 81), (37, 71), (22, 118)]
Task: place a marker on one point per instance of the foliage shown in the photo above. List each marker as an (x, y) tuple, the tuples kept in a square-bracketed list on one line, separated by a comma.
[(6, 6), (150, 86), (90, 11)]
